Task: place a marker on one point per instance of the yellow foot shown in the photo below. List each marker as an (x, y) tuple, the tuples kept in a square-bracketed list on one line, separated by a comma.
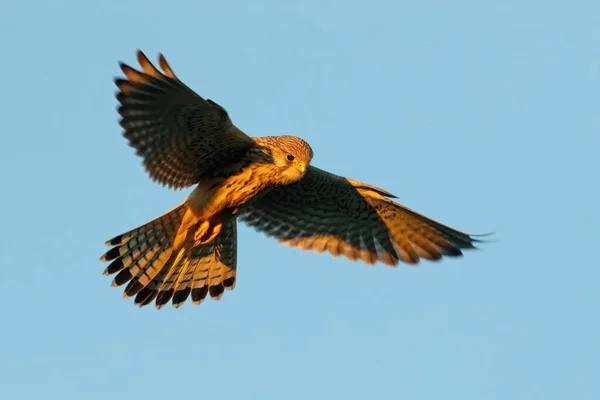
[(206, 233)]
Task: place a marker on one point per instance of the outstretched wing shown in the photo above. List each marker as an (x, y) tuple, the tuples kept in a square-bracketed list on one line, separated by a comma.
[(182, 137), (325, 212)]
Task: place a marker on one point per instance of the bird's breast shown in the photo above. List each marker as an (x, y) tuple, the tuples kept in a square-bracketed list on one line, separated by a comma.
[(228, 194)]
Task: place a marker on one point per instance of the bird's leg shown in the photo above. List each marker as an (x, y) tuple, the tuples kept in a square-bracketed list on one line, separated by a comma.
[(202, 231), (206, 232)]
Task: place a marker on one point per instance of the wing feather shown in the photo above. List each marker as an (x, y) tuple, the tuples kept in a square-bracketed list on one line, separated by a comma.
[(325, 212), (182, 137)]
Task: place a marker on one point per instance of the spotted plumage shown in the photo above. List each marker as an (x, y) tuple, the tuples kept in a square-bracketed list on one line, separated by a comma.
[(267, 182)]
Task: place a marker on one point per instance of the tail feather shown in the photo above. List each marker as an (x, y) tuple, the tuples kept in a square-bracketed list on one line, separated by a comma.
[(215, 287), (149, 293), (142, 230), (228, 256), (166, 290), (199, 282), (138, 257), (183, 286), (145, 259), (146, 272)]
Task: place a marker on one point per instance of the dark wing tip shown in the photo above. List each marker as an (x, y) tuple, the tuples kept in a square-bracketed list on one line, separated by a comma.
[(452, 252), (162, 61), (123, 65), (125, 87), (482, 235)]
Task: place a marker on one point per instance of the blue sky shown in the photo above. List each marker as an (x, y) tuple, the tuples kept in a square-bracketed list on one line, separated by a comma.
[(482, 116)]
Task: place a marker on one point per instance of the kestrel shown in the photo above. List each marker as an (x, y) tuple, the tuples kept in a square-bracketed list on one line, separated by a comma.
[(267, 182)]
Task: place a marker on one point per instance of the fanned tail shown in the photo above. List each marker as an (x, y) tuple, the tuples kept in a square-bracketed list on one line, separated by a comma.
[(154, 269)]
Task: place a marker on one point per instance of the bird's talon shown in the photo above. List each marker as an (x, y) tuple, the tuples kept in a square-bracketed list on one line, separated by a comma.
[(206, 233)]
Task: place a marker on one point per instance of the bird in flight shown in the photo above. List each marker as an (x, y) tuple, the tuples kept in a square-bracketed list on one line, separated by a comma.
[(266, 182)]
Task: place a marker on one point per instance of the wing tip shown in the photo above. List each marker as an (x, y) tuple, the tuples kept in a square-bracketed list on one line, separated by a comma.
[(162, 61), (474, 237)]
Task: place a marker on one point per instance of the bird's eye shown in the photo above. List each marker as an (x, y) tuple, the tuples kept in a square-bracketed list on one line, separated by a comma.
[(290, 157)]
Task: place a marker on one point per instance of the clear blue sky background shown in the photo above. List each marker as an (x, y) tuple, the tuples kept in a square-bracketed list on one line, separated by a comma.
[(483, 116)]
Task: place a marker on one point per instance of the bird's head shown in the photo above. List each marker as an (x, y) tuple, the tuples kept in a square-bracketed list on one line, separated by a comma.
[(291, 155)]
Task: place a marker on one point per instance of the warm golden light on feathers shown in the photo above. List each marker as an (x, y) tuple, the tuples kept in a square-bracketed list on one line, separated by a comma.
[(267, 182)]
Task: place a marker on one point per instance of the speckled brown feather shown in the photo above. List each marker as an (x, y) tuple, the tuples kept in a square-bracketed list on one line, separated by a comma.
[(185, 139), (182, 137), (327, 212)]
